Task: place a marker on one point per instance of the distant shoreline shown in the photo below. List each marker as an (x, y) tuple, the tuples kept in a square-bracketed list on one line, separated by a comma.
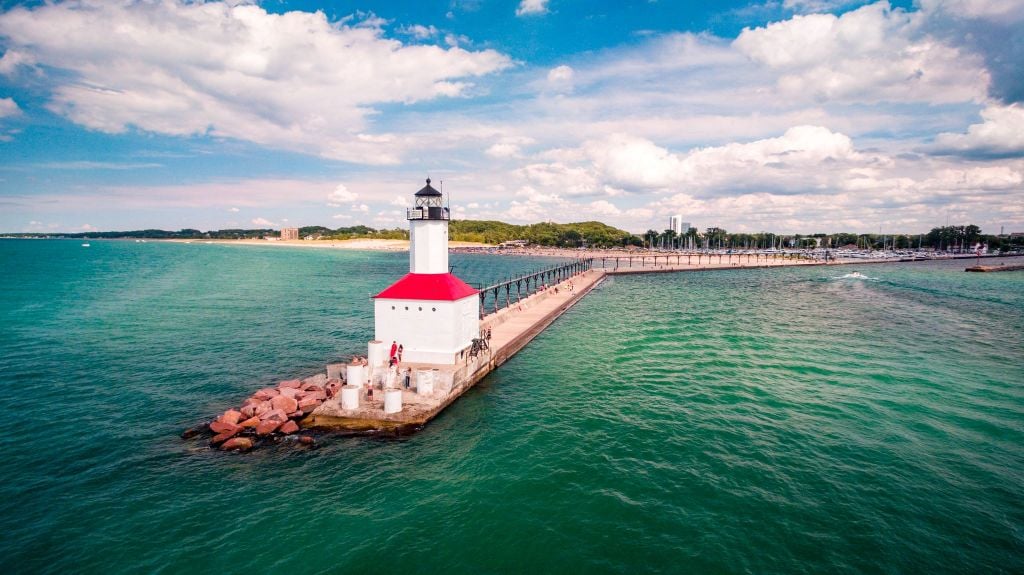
[(353, 244)]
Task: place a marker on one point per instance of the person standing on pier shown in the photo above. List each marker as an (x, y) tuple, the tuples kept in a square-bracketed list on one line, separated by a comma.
[(400, 349), (394, 350)]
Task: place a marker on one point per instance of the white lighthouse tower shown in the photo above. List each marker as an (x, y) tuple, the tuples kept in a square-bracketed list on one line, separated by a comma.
[(430, 312)]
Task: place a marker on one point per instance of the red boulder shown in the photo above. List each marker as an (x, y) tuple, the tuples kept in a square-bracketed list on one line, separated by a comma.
[(237, 443), (222, 437), (289, 427), (221, 427), (251, 422), (290, 392), (265, 393), (231, 416), (267, 427), (275, 415), (286, 404), (292, 383)]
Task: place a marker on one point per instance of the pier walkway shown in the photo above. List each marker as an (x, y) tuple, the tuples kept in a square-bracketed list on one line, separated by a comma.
[(510, 329)]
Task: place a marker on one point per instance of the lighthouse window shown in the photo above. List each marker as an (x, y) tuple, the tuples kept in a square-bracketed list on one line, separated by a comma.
[(406, 308), (433, 309), (392, 307), (421, 309)]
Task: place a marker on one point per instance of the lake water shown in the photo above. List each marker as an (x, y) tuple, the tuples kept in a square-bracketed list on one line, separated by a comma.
[(745, 421)]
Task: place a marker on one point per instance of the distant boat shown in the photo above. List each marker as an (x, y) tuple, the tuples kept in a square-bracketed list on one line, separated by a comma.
[(85, 245)]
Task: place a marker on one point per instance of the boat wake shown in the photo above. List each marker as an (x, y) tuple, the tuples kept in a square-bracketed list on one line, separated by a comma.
[(854, 276)]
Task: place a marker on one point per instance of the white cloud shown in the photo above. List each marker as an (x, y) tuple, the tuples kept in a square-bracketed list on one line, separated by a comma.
[(419, 32), (291, 80), (341, 195), (532, 7), (1000, 133), (998, 10), (8, 107), (233, 210), (263, 222), (503, 150), (604, 208), (508, 147), (560, 78), (87, 228), (870, 54), (399, 201), (360, 208), (341, 217), (568, 180)]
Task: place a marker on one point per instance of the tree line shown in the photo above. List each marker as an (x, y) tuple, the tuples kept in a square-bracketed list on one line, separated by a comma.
[(941, 238), (597, 234)]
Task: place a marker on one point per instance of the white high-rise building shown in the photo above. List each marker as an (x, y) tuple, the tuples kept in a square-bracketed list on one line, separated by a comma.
[(675, 223)]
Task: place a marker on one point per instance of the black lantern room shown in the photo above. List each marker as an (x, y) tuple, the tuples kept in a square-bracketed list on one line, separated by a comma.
[(429, 205)]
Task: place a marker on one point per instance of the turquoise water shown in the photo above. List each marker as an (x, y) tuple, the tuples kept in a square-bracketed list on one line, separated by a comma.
[(747, 421)]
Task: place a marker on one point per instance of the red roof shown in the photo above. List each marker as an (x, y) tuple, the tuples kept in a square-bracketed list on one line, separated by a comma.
[(441, 287)]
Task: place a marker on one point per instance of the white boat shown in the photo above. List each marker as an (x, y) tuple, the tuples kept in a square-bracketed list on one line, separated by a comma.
[(85, 245)]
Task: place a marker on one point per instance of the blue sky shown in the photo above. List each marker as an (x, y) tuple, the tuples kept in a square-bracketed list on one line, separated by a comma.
[(787, 115)]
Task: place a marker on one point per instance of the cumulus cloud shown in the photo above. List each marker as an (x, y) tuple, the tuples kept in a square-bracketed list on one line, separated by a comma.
[(532, 7), (263, 222), (292, 80), (8, 107), (604, 208), (341, 195), (1000, 134), (560, 78), (419, 32), (990, 28), (865, 55), (234, 210), (508, 147)]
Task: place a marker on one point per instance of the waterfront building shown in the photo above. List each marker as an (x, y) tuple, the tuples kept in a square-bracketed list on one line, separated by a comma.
[(431, 312), (675, 223), (289, 233)]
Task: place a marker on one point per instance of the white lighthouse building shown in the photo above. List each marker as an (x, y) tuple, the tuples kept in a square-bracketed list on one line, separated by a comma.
[(430, 312)]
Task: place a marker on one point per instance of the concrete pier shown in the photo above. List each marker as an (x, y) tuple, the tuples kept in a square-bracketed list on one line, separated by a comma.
[(510, 330)]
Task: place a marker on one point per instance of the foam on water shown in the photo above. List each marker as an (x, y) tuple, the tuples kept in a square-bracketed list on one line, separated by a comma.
[(739, 421)]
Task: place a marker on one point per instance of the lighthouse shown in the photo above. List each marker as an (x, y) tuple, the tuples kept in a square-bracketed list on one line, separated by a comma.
[(429, 311)]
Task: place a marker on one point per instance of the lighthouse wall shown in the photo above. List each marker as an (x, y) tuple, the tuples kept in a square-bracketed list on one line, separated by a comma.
[(430, 331), (428, 247)]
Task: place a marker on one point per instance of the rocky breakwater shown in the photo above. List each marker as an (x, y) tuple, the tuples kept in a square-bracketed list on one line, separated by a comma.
[(269, 413)]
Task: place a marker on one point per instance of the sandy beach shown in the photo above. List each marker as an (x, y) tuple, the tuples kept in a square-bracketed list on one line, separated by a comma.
[(354, 244)]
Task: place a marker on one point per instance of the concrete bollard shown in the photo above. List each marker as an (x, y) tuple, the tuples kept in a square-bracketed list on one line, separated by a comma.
[(377, 353), (355, 374), (424, 382), (350, 397), (392, 401)]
